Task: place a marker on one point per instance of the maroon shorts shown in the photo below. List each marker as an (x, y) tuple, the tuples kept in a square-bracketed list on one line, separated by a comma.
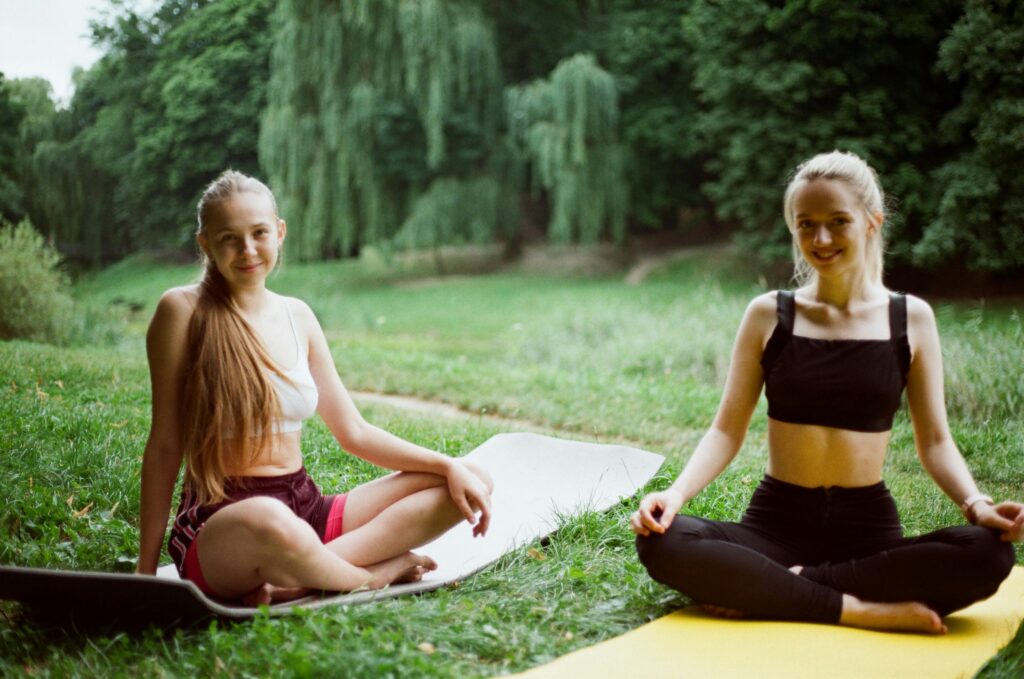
[(296, 490)]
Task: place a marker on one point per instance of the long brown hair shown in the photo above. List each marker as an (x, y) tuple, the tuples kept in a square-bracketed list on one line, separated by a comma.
[(228, 403)]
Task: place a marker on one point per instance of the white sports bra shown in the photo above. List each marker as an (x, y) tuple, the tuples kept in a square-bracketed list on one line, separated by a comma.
[(297, 399)]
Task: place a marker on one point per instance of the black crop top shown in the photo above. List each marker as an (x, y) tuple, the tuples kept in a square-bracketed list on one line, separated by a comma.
[(844, 383)]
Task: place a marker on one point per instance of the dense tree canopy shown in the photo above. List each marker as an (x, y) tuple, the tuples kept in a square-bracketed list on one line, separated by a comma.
[(425, 122), (11, 115), (564, 130), (176, 98), (202, 102), (981, 205), (779, 83), (379, 110)]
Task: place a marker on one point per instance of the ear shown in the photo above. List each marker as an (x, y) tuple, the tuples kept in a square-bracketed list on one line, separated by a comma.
[(875, 221), (282, 230), (203, 244)]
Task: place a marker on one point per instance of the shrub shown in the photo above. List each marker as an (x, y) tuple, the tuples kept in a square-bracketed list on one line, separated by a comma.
[(34, 299)]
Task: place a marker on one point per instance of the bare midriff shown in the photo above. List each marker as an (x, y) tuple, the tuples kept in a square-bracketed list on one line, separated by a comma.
[(282, 455), (812, 455)]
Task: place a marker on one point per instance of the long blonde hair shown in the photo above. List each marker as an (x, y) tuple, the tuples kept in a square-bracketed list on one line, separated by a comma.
[(862, 180), (228, 403)]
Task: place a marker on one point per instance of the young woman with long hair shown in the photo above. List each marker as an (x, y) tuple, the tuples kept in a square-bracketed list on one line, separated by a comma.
[(821, 539), (235, 369)]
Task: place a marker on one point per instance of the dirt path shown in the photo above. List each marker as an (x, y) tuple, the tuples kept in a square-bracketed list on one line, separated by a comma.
[(441, 409), (446, 410), (647, 263)]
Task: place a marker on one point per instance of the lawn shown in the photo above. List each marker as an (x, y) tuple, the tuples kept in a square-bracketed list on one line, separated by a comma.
[(591, 357)]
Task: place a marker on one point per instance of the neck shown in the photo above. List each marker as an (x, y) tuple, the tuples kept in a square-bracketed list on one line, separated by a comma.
[(841, 291), (251, 301)]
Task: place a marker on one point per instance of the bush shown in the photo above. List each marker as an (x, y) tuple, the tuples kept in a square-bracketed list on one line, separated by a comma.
[(35, 303)]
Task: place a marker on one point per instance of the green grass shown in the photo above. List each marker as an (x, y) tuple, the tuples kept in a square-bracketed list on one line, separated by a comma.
[(592, 357)]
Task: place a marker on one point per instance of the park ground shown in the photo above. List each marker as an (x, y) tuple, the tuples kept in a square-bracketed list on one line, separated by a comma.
[(586, 356)]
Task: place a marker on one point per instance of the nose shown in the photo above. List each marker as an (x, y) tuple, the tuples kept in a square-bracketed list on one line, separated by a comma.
[(822, 235), (250, 245)]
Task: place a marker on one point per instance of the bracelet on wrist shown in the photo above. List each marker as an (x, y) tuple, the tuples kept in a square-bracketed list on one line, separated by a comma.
[(967, 506)]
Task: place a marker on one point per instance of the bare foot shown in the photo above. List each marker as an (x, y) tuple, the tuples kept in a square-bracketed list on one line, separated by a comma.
[(406, 567), (723, 612), (267, 594), (905, 616)]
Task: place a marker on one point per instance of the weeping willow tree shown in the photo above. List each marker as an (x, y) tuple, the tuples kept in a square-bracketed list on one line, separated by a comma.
[(380, 114), (76, 202), (563, 138)]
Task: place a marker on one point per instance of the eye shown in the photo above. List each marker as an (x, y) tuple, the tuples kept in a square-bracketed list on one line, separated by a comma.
[(805, 225), (840, 221), (227, 238)]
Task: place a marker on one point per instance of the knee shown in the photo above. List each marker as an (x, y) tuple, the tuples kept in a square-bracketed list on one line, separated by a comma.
[(272, 524), (649, 549), (1000, 555), (669, 549), (992, 559), (481, 473)]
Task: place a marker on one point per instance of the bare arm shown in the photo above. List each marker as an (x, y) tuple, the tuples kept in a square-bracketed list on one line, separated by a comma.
[(380, 447), (722, 442), (935, 446), (161, 460)]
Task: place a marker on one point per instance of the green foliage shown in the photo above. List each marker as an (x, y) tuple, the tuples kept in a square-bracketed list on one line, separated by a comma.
[(642, 45), (564, 134), (645, 48), (456, 211), (534, 36), (981, 204), (83, 166), (780, 82), (370, 105), (11, 115), (374, 119), (202, 102), (175, 99), (36, 301), (34, 97)]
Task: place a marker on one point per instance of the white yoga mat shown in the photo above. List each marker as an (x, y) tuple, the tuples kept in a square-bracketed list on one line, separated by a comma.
[(538, 480)]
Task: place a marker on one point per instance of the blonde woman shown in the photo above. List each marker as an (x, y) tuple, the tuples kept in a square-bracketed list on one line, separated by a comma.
[(235, 370), (821, 539)]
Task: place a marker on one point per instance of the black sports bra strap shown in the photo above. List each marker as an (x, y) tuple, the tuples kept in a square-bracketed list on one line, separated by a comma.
[(898, 329), (897, 316), (785, 308)]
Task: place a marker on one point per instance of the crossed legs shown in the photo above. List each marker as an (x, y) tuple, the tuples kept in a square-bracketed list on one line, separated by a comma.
[(907, 586), (259, 541)]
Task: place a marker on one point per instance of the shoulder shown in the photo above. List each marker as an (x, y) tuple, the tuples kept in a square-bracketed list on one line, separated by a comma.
[(919, 312), (761, 312), (759, 321), (920, 319), (168, 329), (299, 310), (305, 320), (763, 306), (176, 305), (922, 329)]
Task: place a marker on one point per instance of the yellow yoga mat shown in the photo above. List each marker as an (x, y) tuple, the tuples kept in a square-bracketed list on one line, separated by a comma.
[(689, 643)]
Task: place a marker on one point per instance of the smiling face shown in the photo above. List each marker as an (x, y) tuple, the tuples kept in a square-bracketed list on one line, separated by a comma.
[(831, 227), (243, 237)]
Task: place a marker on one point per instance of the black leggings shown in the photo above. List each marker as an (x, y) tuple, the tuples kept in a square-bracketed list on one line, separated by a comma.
[(848, 540)]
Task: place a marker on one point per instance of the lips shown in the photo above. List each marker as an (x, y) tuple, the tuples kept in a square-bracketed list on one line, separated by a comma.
[(826, 255), (248, 268)]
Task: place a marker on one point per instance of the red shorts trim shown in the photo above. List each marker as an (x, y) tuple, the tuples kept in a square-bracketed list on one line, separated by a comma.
[(191, 569), (334, 518)]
